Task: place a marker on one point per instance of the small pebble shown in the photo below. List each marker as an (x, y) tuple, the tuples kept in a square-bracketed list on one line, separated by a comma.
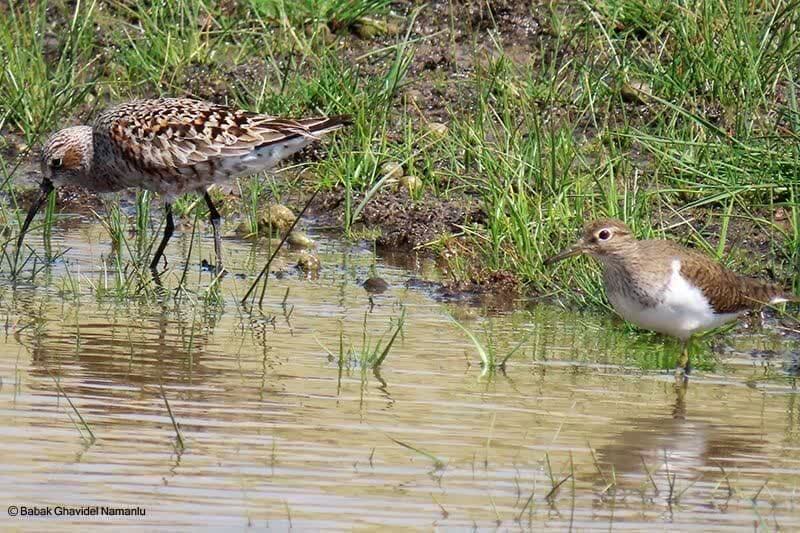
[(413, 95), (437, 128), (321, 32), (635, 92), (277, 218), (298, 239), (308, 263), (412, 183), (392, 169), (368, 28)]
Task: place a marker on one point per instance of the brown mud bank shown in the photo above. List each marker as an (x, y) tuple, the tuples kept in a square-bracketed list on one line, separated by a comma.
[(405, 231)]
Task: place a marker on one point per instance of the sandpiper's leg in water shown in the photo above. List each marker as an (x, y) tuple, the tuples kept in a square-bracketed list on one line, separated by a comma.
[(683, 367), (687, 367), (679, 410), (215, 225), (169, 228)]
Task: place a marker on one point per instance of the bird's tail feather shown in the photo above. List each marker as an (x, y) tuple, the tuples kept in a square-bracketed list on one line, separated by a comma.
[(320, 125), (761, 292), (784, 297)]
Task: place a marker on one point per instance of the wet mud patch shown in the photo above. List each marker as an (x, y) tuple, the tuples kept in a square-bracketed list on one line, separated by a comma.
[(403, 222), (408, 223), (499, 282), (68, 199), (429, 226), (495, 291)]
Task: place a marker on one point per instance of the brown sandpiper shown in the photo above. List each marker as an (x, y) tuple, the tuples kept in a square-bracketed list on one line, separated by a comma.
[(665, 287), (172, 146)]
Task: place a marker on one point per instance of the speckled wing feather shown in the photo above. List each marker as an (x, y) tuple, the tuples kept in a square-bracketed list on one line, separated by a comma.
[(726, 291), (183, 137)]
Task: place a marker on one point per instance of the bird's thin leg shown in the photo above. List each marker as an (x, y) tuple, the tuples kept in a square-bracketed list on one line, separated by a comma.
[(683, 367), (679, 410), (687, 367), (169, 228), (215, 225)]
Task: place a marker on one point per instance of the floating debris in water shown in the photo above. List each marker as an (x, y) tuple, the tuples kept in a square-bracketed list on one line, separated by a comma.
[(375, 285)]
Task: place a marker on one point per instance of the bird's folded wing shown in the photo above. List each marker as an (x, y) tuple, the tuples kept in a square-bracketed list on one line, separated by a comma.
[(170, 133)]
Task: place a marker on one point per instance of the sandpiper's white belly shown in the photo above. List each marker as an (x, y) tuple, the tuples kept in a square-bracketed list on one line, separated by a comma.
[(682, 309)]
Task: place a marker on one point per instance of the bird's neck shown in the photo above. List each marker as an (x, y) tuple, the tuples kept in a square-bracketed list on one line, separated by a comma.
[(87, 147), (622, 257), (94, 171), (630, 272)]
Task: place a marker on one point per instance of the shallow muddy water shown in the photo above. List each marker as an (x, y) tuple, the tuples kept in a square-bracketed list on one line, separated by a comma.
[(276, 434)]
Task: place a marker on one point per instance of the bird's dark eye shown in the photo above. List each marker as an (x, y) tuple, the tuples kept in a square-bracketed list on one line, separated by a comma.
[(56, 163), (604, 235)]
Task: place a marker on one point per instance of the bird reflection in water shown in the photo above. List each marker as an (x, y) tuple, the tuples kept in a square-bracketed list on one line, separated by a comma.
[(115, 354), (676, 449)]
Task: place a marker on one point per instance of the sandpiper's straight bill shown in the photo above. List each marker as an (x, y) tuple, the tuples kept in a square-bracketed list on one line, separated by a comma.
[(172, 146), (665, 287)]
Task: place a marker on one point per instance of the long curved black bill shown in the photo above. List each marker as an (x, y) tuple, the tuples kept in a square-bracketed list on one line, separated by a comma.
[(46, 188)]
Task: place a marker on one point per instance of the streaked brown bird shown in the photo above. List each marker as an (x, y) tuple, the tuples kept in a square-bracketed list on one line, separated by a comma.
[(665, 287), (172, 146)]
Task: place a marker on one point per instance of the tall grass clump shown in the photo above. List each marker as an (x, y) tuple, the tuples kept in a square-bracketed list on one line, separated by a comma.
[(724, 95), (160, 41), (734, 54), (371, 352), (537, 178), (336, 14), (46, 70), (328, 83)]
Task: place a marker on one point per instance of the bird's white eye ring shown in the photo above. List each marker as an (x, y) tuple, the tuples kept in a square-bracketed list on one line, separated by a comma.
[(56, 163), (604, 235)]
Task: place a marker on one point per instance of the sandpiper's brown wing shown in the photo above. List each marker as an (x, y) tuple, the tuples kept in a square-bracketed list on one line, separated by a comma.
[(727, 291), (169, 134)]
